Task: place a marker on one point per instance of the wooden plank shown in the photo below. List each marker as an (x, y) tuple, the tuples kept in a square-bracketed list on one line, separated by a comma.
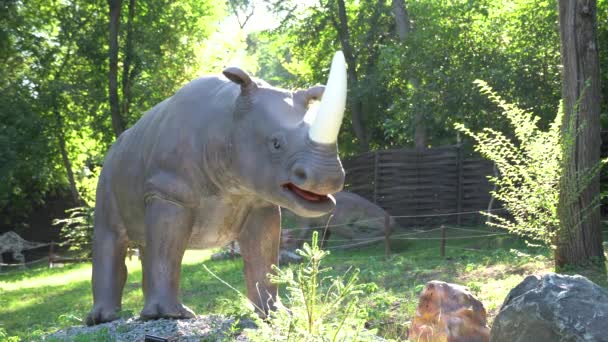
[(406, 181), (376, 167)]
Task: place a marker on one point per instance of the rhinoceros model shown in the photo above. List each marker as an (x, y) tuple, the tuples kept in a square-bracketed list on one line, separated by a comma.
[(355, 222), (207, 166)]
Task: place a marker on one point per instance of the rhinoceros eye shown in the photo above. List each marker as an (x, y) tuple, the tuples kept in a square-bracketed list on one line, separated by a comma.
[(276, 143)]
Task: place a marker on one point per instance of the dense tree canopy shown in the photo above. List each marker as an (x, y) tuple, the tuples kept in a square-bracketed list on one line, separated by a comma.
[(411, 70), (512, 45), (55, 123)]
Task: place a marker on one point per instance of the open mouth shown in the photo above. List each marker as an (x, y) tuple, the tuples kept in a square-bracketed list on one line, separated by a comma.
[(307, 195)]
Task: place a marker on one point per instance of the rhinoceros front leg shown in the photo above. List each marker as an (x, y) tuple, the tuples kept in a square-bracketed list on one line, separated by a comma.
[(168, 228), (109, 269), (259, 243)]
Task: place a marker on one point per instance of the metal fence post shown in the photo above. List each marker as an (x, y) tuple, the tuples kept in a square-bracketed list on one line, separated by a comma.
[(51, 253), (443, 233), (459, 185), (387, 234), (376, 177)]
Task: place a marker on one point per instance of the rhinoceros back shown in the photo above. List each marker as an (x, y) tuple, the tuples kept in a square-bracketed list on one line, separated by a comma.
[(163, 141), (189, 111)]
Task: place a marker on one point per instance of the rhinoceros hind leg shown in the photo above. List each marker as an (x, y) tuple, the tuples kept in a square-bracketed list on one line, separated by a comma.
[(109, 272), (168, 228)]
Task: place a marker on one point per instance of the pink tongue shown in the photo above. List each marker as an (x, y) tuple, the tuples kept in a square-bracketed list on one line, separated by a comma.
[(309, 196)]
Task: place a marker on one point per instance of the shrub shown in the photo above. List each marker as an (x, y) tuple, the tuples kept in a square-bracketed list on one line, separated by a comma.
[(4, 336), (318, 307), (529, 170), (77, 229), (530, 167)]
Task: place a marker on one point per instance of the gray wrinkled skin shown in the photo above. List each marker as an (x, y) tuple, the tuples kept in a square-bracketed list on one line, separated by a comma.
[(199, 170)]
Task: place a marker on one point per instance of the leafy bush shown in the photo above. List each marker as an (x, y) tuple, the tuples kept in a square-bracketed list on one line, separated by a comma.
[(529, 170), (320, 307), (530, 167), (77, 229), (5, 337)]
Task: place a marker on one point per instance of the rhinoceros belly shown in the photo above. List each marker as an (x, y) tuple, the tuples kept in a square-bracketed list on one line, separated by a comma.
[(218, 221)]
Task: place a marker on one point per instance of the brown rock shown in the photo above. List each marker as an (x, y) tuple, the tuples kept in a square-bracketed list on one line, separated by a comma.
[(449, 313)]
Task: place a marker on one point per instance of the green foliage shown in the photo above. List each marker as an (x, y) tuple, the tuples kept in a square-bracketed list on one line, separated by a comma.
[(514, 45), (54, 84), (167, 37), (28, 171), (321, 307), (56, 68), (4, 336), (77, 229), (529, 165), (456, 42)]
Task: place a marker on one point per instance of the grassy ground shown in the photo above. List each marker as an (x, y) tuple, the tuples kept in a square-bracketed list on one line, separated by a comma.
[(41, 300)]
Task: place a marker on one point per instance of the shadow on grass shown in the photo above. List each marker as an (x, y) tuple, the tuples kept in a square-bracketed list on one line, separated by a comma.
[(38, 270), (24, 311), (43, 308)]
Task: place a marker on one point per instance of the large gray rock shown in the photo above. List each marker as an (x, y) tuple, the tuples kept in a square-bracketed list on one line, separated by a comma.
[(553, 307), (355, 222)]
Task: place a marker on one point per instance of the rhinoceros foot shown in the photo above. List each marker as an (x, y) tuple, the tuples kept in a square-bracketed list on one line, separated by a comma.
[(165, 309), (101, 314)]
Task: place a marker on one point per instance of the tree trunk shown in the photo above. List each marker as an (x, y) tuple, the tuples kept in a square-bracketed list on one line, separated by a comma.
[(579, 239), (117, 121), (54, 96), (402, 19), (420, 137), (64, 154), (127, 74), (356, 106), (403, 27)]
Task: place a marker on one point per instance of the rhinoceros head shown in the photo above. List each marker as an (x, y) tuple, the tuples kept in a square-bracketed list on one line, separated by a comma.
[(284, 146)]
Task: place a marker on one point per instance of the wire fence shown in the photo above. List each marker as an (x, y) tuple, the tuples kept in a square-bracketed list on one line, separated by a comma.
[(380, 218), (27, 263), (49, 259), (385, 235), (383, 256), (409, 237)]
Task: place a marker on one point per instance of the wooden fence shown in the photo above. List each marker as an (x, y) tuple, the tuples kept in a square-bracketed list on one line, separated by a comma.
[(436, 183)]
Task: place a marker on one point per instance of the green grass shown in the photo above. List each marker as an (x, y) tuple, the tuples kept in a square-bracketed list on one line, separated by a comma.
[(42, 300)]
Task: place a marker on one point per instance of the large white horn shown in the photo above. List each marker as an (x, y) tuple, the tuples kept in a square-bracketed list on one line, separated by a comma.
[(326, 123)]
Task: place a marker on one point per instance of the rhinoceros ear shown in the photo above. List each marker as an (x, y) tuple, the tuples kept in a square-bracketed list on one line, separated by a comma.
[(239, 76), (303, 97)]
